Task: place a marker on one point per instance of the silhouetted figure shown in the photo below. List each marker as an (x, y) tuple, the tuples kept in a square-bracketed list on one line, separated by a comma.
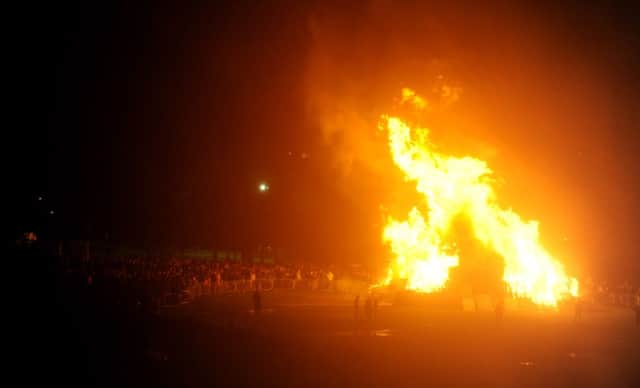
[(356, 308), (375, 307), (368, 308), (637, 309), (218, 282), (330, 280), (257, 301), (578, 310), (368, 311), (252, 279), (298, 278)]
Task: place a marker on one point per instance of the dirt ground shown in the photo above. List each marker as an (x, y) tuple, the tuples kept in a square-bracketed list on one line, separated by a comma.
[(304, 339), (309, 339)]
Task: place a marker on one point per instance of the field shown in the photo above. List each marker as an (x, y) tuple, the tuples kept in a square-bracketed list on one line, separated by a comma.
[(311, 339)]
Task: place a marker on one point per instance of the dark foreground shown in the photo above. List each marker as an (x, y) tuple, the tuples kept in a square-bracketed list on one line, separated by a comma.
[(305, 339)]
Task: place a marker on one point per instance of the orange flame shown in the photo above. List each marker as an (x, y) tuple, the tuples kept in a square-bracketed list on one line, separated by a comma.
[(461, 185)]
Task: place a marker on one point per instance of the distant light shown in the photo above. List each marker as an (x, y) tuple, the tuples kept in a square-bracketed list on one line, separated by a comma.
[(39, 198), (52, 212), (263, 187)]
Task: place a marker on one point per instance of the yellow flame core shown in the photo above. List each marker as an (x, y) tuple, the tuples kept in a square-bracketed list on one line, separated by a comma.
[(462, 185)]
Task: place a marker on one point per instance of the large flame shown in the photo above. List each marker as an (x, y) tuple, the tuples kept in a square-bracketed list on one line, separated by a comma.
[(454, 186)]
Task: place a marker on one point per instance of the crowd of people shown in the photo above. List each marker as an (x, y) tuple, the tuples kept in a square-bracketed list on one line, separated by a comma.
[(620, 294), (148, 282), (623, 295), (161, 281)]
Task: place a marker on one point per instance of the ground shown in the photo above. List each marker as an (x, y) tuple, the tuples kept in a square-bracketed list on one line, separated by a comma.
[(310, 339)]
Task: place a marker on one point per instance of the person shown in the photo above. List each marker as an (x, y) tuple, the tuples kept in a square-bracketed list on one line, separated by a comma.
[(368, 312), (218, 281), (298, 278), (368, 307), (356, 308), (637, 308), (330, 280), (375, 306), (257, 301), (252, 279), (206, 285)]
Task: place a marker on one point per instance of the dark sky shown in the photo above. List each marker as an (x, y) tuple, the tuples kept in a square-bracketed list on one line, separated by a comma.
[(155, 124)]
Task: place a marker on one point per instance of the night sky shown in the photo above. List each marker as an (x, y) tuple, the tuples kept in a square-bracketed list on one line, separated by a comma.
[(156, 124)]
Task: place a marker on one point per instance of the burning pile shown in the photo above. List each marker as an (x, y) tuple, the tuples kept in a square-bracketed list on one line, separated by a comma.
[(455, 186)]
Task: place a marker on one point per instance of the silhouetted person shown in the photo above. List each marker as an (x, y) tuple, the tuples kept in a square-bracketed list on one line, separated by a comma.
[(375, 307), (257, 301), (368, 308), (330, 280)]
